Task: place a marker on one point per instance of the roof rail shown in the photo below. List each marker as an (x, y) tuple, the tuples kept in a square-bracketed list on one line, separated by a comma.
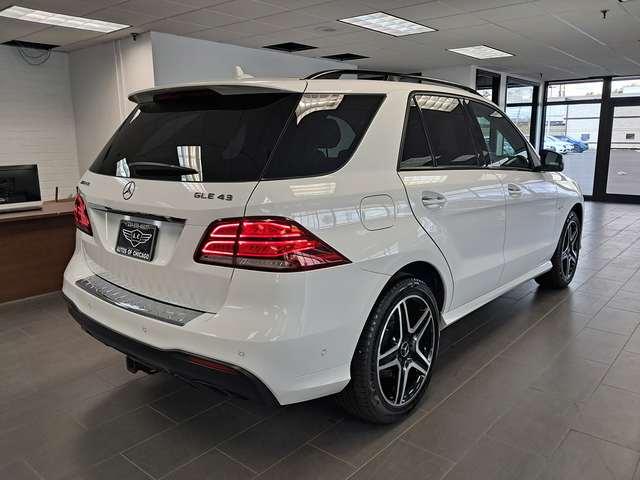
[(387, 76)]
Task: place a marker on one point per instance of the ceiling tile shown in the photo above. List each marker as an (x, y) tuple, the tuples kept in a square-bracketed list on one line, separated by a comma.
[(330, 29), (523, 10), (60, 36), (123, 16), (337, 10), (292, 19), (253, 27), (11, 29), (555, 6), (612, 29), (67, 7), (173, 27), (362, 36), (592, 14), (476, 5), (440, 40), (200, 3), (161, 8), (295, 4), (208, 18), (424, 11), (385, 4), (248, 9), (216, 35), (462, 20), (291, 35)]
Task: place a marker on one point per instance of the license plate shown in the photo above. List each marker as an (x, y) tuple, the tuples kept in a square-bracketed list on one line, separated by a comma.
[(136, 240)]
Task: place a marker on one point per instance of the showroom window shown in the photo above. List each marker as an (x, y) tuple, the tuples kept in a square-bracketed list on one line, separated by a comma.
[(522, 105), (598, 123), (488, 85)]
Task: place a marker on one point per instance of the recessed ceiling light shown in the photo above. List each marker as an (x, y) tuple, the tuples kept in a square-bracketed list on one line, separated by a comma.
[(60, 20), (480, 51), (384, 23)]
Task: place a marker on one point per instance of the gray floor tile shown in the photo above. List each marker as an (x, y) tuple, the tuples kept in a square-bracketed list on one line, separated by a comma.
[(502, 381), (587, 303), (121, 400), (571, 377), (593, 262), (401, 460), (19, 470), (118, 375), (633, 345), (187, 403), (588, 458), (625, 372), (116, 467), (25, 410), (263, 445), (33, 436), (618, 274), (637, 475), (448, 376), (601, 286), (452, 428), (78, 453), (596, 345), (632, 285), (613, 415), (537, 421), (625, 300), (213, 465), (493, 459), (617, 321), (178, 445), (32, 304), (307, 462), (357, 441)]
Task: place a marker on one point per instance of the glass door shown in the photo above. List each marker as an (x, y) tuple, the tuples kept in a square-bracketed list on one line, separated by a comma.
[(623, 176)]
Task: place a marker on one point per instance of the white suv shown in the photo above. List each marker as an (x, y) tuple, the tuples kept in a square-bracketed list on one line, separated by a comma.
[(282, 240)]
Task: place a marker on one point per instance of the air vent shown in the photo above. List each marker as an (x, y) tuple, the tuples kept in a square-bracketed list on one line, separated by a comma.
[(39, 46), (345, 56), (290, 47)]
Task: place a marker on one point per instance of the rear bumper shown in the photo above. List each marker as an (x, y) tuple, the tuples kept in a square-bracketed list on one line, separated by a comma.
[(241, 384)]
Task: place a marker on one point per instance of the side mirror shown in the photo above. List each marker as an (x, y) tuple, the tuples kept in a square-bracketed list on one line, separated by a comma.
[(551, 161)]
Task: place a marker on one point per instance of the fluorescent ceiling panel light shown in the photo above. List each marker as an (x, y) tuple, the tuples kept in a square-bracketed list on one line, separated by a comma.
[(384, 23), (60, 20), (480, 51)]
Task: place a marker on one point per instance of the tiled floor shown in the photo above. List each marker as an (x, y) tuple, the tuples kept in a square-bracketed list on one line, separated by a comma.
[(536, 385)]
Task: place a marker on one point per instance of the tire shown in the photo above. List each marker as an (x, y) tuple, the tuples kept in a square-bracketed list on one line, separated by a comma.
[(565, 258), (396, 353), (577, 149)]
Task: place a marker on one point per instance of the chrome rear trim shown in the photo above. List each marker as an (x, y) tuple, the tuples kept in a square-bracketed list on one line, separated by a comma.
[(135, 303), (127, 213)]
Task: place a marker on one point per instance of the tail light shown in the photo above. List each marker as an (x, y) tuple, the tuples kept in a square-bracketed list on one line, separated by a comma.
[(271, 244), (82, 216)]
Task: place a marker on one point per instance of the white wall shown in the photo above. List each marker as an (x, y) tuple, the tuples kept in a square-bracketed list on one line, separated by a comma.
[(36, 120), (101, 79), (180, 59)]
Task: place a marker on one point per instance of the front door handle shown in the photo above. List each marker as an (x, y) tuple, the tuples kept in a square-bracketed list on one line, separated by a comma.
[(433, 200), (514, 190)]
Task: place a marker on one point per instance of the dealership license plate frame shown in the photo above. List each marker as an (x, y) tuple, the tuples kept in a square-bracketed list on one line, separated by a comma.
[(136, 239)]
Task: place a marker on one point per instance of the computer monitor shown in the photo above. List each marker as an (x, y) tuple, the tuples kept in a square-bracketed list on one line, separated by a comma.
[(19, 188)]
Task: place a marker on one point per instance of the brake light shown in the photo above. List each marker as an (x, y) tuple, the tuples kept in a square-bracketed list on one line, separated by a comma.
[(271, 244), (82, 216)]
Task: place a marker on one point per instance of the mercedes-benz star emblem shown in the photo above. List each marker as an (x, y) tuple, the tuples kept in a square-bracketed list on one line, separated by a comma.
[(128, 190)]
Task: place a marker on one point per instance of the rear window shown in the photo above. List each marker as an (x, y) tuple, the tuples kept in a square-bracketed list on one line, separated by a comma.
[(198, 136)]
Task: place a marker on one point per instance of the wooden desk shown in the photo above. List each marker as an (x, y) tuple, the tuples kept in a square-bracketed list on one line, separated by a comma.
[(35, 248)]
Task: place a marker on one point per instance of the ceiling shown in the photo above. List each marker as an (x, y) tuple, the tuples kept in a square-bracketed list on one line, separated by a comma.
[(550, 39)]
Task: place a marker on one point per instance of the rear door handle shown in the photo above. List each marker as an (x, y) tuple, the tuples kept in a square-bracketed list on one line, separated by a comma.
[(514, 190), (433, 200)]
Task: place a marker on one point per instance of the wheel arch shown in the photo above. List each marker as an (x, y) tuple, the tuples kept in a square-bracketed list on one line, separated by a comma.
[(428, 274)]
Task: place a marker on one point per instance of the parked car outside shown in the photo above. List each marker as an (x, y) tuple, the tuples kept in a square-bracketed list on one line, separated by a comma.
[(282, 240), (555, 145), (578, 146)]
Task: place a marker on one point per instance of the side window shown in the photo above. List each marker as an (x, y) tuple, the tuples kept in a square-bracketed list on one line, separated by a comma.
[(416, 152), (323, 134), (502, 144), (448, 131)]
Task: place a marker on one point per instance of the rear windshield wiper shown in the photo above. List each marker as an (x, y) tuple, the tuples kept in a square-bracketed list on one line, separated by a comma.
[(156, 169)]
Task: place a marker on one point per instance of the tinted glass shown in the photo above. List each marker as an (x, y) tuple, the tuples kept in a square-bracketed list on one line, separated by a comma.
[(503, 146), (416, 152), (323, 135), (202, 137), (561, 92), (448, 131)]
